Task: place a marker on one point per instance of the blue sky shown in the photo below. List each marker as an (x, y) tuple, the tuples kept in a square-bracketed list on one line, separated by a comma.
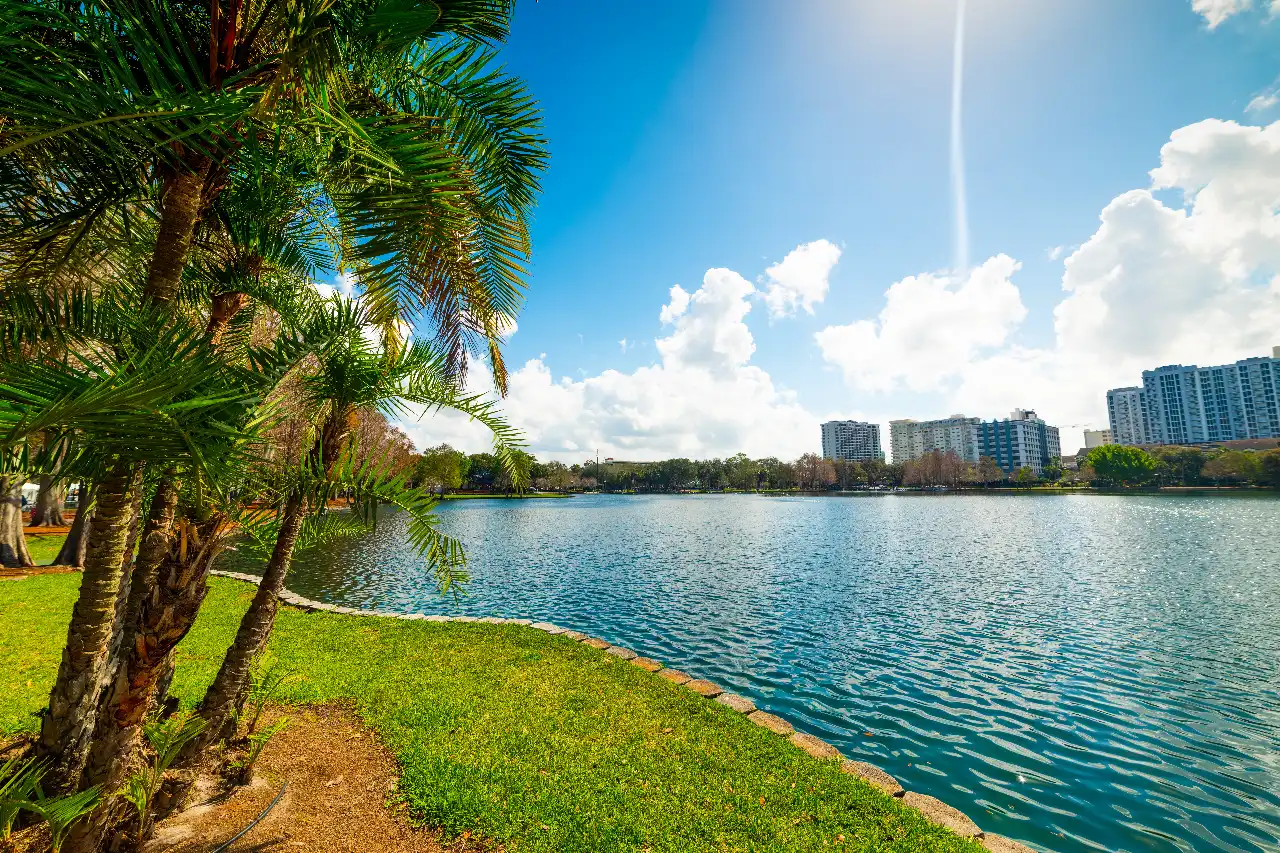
[(692, 136)]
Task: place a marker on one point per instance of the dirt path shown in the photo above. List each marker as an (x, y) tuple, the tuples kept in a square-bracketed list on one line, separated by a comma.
[(339, 778)]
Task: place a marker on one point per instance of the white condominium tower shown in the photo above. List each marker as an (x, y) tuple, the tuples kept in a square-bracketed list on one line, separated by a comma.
[(1127, 415), (1194, 405), (1021, 440), (912, 439), (855, 441)]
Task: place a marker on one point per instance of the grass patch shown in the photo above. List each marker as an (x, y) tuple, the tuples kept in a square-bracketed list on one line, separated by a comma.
[(44, 546), (535, 741)]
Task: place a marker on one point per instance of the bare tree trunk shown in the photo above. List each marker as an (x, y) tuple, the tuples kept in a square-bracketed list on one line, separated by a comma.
[(73, 547), (48, 509), (13, 541), (53, 491), (226, 692), (69, 721)]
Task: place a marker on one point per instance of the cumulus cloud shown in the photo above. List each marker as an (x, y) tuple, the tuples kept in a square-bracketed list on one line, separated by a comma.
[(931, 326), (1155, 284), (800, 280), (1217, 11), (702, 398)]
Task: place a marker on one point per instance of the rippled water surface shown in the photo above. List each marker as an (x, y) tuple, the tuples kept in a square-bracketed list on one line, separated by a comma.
[(1078, 672)]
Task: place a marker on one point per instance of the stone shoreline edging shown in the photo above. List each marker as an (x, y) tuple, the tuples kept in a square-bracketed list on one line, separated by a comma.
[(933, 809)]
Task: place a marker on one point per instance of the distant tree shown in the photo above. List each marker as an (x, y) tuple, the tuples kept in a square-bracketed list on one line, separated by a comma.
[(741, 472), (1178, 465), (989, 471), (1053, 471), (554, 477), (849, 474), (1026, 476), (504, 479), (1269, 468), (482, 468), (782, 475), (1231, 466), (442, 468), (935, 468), (814, 472), (1121, 464)]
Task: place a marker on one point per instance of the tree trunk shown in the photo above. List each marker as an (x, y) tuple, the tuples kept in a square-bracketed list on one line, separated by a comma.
[(69, 720), (181, 198), (226, 692), (72, 551), (13, 541), (48, 509), (224, 308), (53, 491), (164, 616)]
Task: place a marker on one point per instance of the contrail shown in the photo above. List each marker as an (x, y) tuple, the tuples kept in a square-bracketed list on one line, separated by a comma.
[(960, 249)]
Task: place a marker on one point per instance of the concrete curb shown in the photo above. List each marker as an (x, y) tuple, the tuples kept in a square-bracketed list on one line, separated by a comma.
[(932, 809)]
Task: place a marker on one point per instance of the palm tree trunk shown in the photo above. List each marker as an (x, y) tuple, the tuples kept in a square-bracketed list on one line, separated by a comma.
[(181, 198), (69, 720), (73, 547), (48, 509), (226, 693), (224, 308), (164, 616), (13, 542)]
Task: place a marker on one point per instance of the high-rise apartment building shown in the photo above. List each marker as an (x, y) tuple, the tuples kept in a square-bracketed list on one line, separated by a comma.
[(1194, 405), (1127, 415), (1021, 440), (855, 441), (910, 439)]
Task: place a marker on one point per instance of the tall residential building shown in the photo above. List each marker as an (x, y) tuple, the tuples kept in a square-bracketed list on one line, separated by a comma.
[(1127, 415), (855, 441), (1096, 438), (910, 439), (1020, 441), (1193, 405)]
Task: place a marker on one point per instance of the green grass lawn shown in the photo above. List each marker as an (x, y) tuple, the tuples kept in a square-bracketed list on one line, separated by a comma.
[(45, 547), (533, 740)]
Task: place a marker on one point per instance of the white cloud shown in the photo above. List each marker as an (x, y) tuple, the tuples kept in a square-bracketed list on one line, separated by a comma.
[(800, 280), (931, 326), (1154, 285), (702, 398), (622, 344), (1056, 252), (1217, 11), (1264, 100)]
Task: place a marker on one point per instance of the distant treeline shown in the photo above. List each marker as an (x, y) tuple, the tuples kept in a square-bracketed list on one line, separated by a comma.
[(1115, 464), (446, 469)]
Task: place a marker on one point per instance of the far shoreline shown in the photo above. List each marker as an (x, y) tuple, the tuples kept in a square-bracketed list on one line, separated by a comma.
[(1200, 491)]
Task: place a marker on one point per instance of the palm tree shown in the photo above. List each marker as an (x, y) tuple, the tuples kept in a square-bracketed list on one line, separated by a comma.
[(352, 377), (120, 107)]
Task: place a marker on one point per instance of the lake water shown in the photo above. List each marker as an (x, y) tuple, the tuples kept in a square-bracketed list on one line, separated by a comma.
[(1080, 672)]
